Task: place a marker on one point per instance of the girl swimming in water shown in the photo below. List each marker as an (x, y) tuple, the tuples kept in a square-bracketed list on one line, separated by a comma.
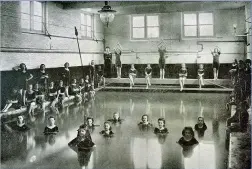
[(161, 129), (83, 141), (107, 132)]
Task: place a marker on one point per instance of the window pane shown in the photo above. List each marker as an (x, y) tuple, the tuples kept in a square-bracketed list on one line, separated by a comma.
[(25, 21), (37, 8), (89, 32), (82, 19), (190, 30), (37, 23), (138, 21), (152, 21), (138, 32), (25, 7), (205, 18), (206, 30), (190, 19), (83, 30), (83, 27), (89, 21), (153, 32)]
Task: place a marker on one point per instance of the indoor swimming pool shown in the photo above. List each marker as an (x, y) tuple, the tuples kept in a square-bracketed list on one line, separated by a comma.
[(129, 148)]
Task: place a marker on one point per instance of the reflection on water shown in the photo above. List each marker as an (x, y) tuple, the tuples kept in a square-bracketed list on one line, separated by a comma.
[(85, 159), (129, 148), (202, 156), (201, 109), (146, 153), (183, 112)]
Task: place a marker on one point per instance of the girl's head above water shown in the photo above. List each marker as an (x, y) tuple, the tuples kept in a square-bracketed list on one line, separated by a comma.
[(107, 126), (116, 116), (200, 120), (20, 119), (161, 122), (188, 132), (90, 121), (82, 130), (51, 121), (145, 118)]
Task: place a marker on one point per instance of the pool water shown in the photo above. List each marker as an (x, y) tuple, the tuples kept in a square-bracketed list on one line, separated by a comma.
[(129, 148)]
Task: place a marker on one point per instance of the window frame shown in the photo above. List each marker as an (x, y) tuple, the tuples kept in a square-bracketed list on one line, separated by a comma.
[(198, 25), (31, 17), (92, 26), (145, 27)]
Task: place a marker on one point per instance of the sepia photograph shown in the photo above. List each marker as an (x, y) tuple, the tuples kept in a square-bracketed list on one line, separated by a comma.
[(125, 84)]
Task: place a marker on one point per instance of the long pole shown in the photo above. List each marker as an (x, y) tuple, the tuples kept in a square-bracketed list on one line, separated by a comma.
[(76, 34)]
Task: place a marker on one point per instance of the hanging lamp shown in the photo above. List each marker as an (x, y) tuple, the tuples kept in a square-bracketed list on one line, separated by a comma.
[(107, 15)]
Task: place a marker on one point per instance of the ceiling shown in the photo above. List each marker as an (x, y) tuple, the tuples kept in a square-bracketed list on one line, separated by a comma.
[(138, 7)]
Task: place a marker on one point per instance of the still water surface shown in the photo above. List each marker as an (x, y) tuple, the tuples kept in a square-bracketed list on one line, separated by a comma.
[(129, 148)]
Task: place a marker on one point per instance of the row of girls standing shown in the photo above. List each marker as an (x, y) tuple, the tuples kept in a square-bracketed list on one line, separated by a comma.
[(108, 61), (161, 62)]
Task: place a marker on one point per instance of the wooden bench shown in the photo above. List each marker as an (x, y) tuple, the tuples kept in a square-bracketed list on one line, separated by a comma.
[(24, 109)]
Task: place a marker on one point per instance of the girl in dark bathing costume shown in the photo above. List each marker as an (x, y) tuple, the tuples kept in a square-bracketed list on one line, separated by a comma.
[(19, 126), (162, 129), (82, 86), (201, 75), (23, 77), (83, 141), (90, 124), (161, 61), (53, 95), (182, 76), (188, 142), (30, 101), (51, 128), (148, 72), (107, 132), (216, 61), (118, 63), (42, 78), (74, 90), (233, 71), (132, 75), (188, 139), (83, 146), (40, 97), (92, 73), (145, 125), (116, 118), (101, 78), (200, 127), (61, 93), (87, 89), (161, 132), (107, 63), (66, 77), (18, 132)]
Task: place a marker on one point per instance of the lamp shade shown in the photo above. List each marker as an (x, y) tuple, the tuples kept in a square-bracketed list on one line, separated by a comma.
[(107, 15)]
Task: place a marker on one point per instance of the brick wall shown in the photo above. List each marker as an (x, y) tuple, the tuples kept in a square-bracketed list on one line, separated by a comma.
[(181, 50), (34, 49)]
